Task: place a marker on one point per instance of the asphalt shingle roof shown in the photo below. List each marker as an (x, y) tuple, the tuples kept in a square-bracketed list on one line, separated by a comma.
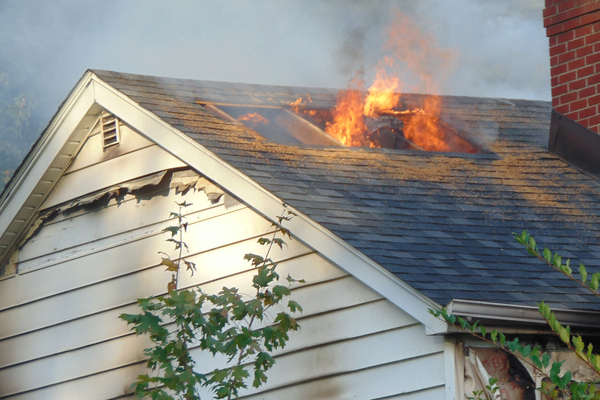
[(441, 222)]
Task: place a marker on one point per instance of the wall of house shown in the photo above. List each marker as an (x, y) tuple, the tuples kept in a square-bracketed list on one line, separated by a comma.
[(60, 336)]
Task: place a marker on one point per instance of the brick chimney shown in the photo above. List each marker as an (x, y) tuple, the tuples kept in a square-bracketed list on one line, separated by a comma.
[(573, 29)]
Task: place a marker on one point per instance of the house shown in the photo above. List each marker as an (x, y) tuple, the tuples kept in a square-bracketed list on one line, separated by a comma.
[(381, 236)]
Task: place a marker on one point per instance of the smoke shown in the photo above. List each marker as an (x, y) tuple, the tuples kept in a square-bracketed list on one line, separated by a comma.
[(501, 46)]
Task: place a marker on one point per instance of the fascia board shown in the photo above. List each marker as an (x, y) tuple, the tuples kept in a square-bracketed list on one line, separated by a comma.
[(265, 203), (47, 148)]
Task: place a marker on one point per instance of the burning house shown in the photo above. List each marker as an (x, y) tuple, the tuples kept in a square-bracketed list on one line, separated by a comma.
[(405, 203)]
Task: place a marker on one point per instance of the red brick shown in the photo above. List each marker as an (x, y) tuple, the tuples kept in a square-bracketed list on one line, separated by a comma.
[(583, 30), (553, 61), (593, 38), (550, 11), (576, 85), (566, 57), (595, 129), (584, 51), (587, 71), (585, 122), (576, 64), (552, 41), (569, 10), (573, 44), (597, 66), (564, 78), (565, 37), (562, 109), (561, 48), (567, 98), (562, 89), (554, 80), (561, 69), (596, 27), (555, 102), (549, 21), (586, 92), (585, 19), (594, 79), (592, 101), (573, 115), (555, 30), (565, 5), (588, 112), (578, 105), (596, 47), (592, 59), (595, 120), (581, 9)]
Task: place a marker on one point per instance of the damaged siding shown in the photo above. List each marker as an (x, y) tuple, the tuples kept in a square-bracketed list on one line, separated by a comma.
[(91, 253)]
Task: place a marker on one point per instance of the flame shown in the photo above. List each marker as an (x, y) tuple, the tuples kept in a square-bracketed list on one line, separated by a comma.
[(424, 129), (299, 102), (419, 53), (348, 124), (383, 93), (254, 117)]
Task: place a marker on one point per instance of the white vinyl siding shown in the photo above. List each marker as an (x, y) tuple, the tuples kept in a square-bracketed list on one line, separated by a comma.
[(60, 337)]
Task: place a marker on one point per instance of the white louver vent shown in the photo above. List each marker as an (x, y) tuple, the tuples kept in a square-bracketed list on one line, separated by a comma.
[(110, 131)]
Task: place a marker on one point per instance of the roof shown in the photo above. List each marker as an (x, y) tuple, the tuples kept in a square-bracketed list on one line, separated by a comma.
[(441, 222)]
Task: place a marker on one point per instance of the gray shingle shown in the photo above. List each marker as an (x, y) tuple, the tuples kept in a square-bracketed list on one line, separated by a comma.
[(451, 214)]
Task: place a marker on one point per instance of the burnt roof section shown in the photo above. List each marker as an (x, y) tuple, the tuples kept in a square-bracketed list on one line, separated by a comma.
[(441, 222)]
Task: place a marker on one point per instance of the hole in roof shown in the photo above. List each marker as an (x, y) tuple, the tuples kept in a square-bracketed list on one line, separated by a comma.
[(300, 124)]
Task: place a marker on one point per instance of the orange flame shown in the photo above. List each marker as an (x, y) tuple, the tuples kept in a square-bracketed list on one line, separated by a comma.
[(419, 53), (254, 117), (383, 93), (348, 123), (299, 102), (424, 130)]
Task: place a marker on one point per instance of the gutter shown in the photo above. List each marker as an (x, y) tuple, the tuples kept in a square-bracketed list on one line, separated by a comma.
[(520, 316)]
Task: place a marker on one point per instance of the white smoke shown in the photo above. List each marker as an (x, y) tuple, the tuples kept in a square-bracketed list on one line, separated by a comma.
[(501, 46)]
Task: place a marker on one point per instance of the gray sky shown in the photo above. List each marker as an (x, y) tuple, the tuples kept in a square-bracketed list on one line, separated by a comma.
[(500, 47)]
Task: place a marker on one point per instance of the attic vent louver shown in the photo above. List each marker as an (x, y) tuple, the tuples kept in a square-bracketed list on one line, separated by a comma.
[(110, 131)]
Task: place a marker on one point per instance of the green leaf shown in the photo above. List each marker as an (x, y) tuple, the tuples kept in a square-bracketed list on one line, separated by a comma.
[(494, 335), (294, 306), (566, 379), (547, 254), (536, 360), (532, 244), (595, 282), (583, 273), (264, 241), (555, 371), (565, 269), (254, 259), (546, 360), (173, 230), (281, 291)]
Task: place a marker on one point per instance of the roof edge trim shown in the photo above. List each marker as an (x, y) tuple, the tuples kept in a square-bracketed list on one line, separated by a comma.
[(42, 154), (38, 147), (265, 203), (522, 314)]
